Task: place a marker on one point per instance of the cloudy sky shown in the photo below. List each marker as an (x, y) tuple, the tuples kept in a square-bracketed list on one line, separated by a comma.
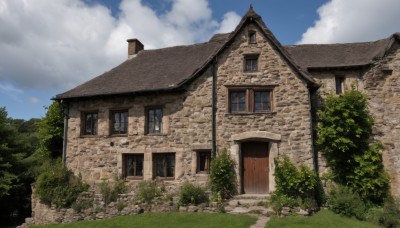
[(48, 47)]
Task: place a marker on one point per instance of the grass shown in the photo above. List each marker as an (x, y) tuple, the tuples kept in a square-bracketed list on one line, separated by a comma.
[(172, 219), (324, 218)]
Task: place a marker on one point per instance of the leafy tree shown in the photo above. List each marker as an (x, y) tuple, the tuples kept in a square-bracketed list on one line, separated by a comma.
[(18, 140), (223, 175), (51, 132), (344, 137)]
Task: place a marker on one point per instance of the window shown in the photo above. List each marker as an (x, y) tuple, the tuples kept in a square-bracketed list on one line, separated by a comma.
[(251, 63), (250, 100), (238, 101), (252, 37), (262, 101), (164, 165), (339, 81), (203, 161), (154, 121), (89, 123), (133, 165), (119, 122)]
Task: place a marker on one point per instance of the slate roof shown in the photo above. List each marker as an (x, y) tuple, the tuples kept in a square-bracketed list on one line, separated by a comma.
[(167, 69), (338, 55)]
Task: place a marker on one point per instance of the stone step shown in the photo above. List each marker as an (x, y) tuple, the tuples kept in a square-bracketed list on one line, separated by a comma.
[(252, 196), (255, 210)]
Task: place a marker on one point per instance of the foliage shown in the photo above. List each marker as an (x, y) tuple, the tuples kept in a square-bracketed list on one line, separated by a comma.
[(167, 220), (147, 191), (223, 175), (344, 137), (58, 186), (51, 132), (386, 216), (110, 190), (18, 141), (343, 200), (82, 204), (296, 186), (192, 194), (323, 218)]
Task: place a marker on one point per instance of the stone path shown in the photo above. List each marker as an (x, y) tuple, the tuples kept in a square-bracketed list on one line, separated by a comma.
[(261, 222)]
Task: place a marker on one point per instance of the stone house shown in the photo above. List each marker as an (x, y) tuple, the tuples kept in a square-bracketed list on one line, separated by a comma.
[(164, 112)]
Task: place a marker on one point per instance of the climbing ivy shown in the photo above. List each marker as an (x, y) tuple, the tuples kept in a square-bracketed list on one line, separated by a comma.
[(344, 137)]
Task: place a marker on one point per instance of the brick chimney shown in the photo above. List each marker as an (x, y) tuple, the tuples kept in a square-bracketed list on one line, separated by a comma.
[(134, 47)]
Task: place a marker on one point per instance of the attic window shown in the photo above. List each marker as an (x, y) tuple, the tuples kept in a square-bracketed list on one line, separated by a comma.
[(252, 37), (251, 63)]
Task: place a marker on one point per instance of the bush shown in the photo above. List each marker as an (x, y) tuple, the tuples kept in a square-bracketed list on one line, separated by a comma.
[(344, 137), (147, 191), (386, 216), (192, 194), (110, 191), (223, 175), (343, 200), (279, 200), (58, 186), (293, 183)]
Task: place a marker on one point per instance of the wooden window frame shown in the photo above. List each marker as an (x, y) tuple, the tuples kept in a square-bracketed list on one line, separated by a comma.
[(250, 99), (94, 128), (112, 119), (207, 165), (250, 57), (135, 171), (149, 131), (252, 37), (165, 163), (339, 84)]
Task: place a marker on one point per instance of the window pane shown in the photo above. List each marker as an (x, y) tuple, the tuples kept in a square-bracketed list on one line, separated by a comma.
[(90, 127), (170, 162), (251, 64), (159, 160), (139, 165), (204, 161), (154, 120), (261, 101), (238, 101), (130, 166), (134, 165)]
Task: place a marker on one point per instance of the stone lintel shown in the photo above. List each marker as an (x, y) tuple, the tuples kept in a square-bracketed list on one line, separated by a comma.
[(201, 147), (256, 135)]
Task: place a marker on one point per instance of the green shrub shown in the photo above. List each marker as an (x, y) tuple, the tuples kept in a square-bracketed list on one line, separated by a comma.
[(223, 175), (343, 200), (58, 186), (386, 216), (147, 191), (279, 200), (344, 136), (110, 191), (120, 206), (81, 204), (192, 194), (294, 183)]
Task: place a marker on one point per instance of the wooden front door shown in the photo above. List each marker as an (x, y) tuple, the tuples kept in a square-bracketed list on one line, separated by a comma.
[(255, 167)]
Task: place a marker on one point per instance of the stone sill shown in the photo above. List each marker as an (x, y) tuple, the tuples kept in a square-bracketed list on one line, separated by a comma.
[(251, 113)]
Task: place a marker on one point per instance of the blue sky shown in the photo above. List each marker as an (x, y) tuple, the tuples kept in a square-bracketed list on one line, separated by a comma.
[(50, 46)]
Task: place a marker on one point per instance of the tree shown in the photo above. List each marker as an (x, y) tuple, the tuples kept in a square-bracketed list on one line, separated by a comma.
[(51, 132), (344, 136)]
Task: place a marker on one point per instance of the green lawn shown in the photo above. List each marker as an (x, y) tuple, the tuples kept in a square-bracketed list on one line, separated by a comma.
[(324, 219), (176, 220)]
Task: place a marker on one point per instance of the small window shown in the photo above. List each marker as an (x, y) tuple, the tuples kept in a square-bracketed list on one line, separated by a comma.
[(203, 161), (238, 101), (262, 101), (133, 165), (89, 123), (119, 122), (252, 37), (154, 120), (339, 81), (251, 63), (164, 165)]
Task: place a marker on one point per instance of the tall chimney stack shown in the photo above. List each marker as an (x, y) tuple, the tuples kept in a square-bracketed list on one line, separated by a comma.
[(134, 47)]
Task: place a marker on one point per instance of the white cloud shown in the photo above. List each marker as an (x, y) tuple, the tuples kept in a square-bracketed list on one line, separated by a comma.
[(33, 100), (60, 44), (229, 23), (354, 21)]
